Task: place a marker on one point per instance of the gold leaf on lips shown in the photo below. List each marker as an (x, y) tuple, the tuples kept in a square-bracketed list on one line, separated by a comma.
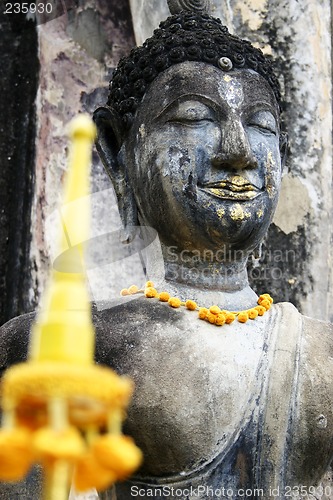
[(226, 193), (235, 188)]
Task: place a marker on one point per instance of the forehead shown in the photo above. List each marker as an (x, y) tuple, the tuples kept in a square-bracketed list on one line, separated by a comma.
[(239, 90)]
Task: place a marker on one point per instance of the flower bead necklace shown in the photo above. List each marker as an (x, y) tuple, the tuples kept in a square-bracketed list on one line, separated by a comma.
[(213, 314)]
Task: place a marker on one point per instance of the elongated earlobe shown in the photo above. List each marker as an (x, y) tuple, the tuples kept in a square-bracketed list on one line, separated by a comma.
[(110, 137)]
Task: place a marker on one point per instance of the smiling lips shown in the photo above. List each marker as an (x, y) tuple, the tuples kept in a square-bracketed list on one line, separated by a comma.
[(238, 188)]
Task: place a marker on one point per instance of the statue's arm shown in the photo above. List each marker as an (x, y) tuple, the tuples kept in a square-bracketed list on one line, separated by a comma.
[(14, 337), (313, 411)]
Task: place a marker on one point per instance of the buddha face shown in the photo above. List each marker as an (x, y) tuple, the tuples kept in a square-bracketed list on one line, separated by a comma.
[(203, 157)]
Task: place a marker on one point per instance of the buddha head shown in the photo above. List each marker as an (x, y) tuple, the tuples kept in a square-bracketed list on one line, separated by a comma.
[(191, 139)]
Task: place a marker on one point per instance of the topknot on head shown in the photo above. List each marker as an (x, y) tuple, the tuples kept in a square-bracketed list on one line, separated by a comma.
[(176, 6), (186, 36)]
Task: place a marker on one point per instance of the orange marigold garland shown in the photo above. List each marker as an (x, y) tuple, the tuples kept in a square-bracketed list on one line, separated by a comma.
[(213, 314)]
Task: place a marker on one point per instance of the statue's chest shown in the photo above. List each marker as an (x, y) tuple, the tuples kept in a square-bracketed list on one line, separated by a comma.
[(195, 386)]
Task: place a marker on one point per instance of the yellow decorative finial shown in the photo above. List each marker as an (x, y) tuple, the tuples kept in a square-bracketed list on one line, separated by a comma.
[(59, 409), (82, 127), (75, 212), (63, 330)]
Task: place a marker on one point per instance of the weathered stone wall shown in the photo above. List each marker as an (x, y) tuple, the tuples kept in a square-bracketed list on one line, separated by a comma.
[(19, 82), (77, 53)]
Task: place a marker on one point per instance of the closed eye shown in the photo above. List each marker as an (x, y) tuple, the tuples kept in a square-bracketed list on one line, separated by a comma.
[(191, 122), (263, 128), (264, 122), (191, 113)]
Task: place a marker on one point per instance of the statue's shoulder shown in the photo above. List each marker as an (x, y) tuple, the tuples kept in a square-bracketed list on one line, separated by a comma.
[(318, 331), (312, 408), (129, 326), (316, 352), (316, 368), (116, 324), (315, 332)]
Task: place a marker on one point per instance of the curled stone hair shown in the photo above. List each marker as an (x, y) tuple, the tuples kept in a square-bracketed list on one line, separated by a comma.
[(187, 36)]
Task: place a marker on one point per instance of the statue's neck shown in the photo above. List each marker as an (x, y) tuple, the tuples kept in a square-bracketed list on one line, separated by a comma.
[(207, 281)]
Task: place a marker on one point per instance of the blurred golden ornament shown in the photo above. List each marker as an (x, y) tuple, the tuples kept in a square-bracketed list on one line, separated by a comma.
[(58, 404)]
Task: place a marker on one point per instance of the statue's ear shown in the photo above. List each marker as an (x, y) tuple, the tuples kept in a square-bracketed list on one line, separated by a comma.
[(284, 142), (110, 138), (110, 135)]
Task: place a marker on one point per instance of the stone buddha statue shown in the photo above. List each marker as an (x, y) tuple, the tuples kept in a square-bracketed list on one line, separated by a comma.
[(191, 139)]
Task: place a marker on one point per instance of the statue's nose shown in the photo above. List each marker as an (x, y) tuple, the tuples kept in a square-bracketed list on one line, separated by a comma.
[(235, 150)]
